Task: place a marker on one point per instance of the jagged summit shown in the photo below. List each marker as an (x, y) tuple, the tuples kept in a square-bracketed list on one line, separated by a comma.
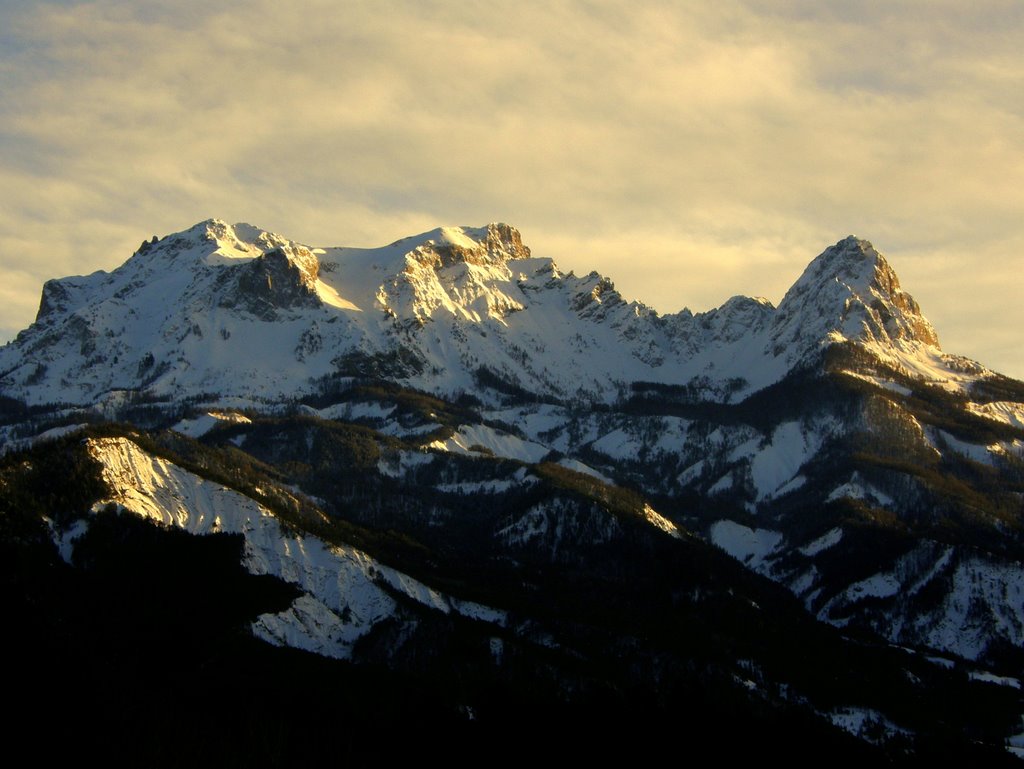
[(853, 291), (855, 263), (235, 309), (212, 242), (497, 243)]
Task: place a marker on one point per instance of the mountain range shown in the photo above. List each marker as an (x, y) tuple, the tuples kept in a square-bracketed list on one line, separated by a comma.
[(446, 470)]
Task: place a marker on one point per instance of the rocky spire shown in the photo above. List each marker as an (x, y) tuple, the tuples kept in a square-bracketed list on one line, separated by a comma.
[(849, 290)]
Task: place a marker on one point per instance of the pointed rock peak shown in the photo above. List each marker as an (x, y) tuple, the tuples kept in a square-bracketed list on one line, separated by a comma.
[(853, 243), (852, 261), (857, 264), (220, 233), (850, 289), (595, 288)]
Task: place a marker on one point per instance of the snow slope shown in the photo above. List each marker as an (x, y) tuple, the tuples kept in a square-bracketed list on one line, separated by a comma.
[(345, 591), (951, 599)]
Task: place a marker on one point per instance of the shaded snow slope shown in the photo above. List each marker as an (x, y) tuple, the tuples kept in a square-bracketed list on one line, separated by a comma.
[(751, 546), (982, 601), (948, 598)]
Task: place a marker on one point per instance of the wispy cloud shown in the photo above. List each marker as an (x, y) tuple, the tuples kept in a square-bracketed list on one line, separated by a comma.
[(689, 151)]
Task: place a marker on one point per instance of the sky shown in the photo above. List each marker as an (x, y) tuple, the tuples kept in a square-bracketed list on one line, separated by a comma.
[(690, 151)]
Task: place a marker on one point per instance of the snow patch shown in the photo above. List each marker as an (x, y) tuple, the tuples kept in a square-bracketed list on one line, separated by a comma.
[(857, 488), (691, 473), (867, 724), (470, 439), (822, 543), (778, 462), (879, 382), (350, 412), (196, 427), (791, 485), (397, 464), (722, 484), (804, 582), (992, 678), (65, 540), (928, 364), (328, 295), (751, 546), (875, 586), (618, 444), (533, 420), (973, 451), (579, 467)]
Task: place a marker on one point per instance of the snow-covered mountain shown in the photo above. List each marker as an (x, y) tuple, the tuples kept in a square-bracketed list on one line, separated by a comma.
[(447, 442), (238, 311)]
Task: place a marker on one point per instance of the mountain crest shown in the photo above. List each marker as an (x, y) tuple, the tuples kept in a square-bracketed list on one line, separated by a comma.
[(234, 241), (493, 245), (856, 263), (194, 311), (849, 291)]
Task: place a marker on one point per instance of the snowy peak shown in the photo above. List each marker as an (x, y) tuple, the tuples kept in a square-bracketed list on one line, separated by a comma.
[(231, 266), (212, 242), (492, 245), (855, 264), (852, 260), (464, 271), (228, 242), (241, 311), (850, 292), (739, 316)]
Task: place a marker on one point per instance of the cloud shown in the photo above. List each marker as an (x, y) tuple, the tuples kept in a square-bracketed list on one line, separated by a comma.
[(690, 151)]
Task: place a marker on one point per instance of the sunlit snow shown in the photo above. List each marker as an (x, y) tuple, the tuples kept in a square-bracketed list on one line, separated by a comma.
[(343, 597)]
